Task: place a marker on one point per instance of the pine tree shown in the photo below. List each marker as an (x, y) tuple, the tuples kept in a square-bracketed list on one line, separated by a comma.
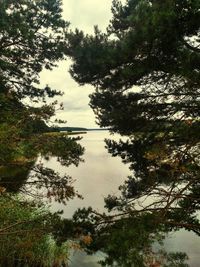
[(145, 69)]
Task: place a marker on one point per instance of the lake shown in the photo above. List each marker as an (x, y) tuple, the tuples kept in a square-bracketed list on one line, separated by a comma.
[(100, 175)]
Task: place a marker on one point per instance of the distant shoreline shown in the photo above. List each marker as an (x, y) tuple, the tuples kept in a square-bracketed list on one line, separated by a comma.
[(79, 129)]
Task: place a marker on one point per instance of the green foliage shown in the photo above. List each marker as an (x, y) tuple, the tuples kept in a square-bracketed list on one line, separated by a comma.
[(36, 40), (176, 260), (32, 38), (145, 69), (130, 241), (27, 228)]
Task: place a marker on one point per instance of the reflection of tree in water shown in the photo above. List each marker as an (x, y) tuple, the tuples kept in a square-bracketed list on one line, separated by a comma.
[(25, 174), (22, 142), (14, 177)]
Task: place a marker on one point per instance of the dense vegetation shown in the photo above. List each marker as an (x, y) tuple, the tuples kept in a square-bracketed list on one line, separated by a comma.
[(32, 37), (28, 235), (146, 72)]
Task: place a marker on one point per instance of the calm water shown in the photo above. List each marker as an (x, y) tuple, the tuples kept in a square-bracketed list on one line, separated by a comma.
[(96, 177), (99, 176)]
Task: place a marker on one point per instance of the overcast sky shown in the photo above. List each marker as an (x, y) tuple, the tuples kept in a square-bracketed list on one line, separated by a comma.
[(83, 14)]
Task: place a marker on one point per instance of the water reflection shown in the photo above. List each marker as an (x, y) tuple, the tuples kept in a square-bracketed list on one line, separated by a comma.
[(95, 178), (99, 176), (14, 177), (187, 242), (80, 258)]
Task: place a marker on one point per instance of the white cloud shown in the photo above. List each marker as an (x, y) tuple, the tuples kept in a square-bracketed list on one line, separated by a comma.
[(83, 14)]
